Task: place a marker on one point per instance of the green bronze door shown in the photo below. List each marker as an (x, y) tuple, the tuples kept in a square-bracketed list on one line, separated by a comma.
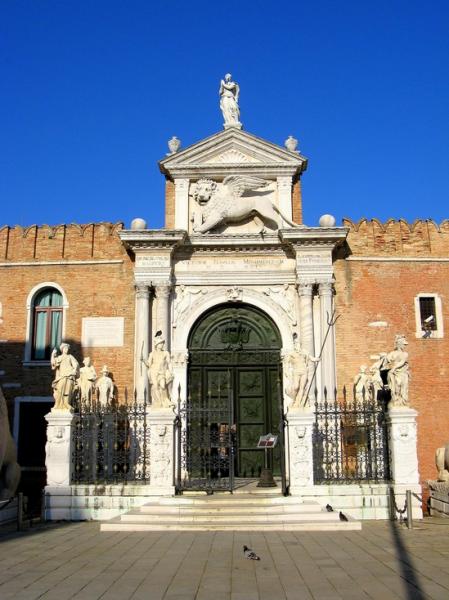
[(237, 347)]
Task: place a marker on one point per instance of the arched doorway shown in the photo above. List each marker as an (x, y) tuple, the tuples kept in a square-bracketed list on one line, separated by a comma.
[(234, 397)]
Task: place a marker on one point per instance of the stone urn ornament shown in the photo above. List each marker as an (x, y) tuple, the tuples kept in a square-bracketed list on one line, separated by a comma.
[(174, 144), (291, 144)]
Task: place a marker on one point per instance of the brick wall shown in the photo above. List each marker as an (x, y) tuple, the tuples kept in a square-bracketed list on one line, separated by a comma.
[(297, 202), (169, 204), (369, 291), (92, 289)]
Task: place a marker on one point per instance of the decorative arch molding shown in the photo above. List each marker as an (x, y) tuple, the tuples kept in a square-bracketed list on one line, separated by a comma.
[(221, 296), (29, 320)]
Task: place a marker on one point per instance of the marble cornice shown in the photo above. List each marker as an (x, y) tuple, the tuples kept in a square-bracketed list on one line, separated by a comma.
[(314, 236), (222, 243), (213, 171), (152, 238)]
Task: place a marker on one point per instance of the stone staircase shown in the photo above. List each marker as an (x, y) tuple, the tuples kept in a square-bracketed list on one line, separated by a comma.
[(254, 510)]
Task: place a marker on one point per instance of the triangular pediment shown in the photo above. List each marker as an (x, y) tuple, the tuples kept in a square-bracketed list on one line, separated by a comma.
[(232, 149)]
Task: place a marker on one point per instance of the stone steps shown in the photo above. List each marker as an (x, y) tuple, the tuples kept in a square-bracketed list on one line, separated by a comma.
[(241, 509), (220, 512)]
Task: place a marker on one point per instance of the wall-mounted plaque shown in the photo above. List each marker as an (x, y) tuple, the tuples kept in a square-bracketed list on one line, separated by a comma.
[(99, 332)]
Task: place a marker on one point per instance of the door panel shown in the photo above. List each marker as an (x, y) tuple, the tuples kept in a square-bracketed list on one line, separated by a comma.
[(234, 362)]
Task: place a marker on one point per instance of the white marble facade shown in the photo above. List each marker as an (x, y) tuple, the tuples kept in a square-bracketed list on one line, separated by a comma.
[(272, 264), (283, 269)]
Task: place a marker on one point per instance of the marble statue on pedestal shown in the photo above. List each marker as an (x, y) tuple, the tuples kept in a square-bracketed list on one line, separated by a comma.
[(9, 468), (299, 365), (361, 385), (375, 380), (66, 369), (226, 203), (396, 363), (229, 102), (160, 374), (442, 462), (105, 388), (86, 381)]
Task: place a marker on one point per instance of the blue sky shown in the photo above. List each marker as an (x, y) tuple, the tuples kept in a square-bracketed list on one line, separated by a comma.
[(92, 91)]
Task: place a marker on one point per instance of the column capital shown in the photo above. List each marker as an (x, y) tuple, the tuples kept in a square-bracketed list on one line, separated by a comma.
[(305, 288), (142, 291), (325, 288), (163, 290), (284, 181), (181, 184)]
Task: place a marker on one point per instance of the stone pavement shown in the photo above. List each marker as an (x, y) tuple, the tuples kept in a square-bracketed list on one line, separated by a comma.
[(75, 560)]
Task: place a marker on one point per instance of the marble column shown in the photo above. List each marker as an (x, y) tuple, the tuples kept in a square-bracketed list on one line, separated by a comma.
[(305, 292), (142, 347), (163, 312), (325, 290), (285, 197), (181, 203), (404, 456)]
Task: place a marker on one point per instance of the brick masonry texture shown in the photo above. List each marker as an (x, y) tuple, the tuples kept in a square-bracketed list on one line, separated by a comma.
[(297, 202), (92, 290), (368, 291), (169, 204)]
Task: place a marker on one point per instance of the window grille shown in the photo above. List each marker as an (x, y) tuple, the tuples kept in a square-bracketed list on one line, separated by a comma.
[(427, 309)]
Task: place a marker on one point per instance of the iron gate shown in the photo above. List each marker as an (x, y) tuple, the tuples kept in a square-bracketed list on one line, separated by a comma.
[(206, 440)]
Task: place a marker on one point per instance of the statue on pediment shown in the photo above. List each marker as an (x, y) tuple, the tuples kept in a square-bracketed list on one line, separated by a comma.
[(229, 102), (225, 204)]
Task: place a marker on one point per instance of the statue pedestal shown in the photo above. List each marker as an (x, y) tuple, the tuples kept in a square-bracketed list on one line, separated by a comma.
[(403, 455), (58, 449), (300, 429), (162, 462), (59, 463)]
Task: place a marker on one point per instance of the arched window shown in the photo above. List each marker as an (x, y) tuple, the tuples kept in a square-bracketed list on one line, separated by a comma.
[(47, 323)]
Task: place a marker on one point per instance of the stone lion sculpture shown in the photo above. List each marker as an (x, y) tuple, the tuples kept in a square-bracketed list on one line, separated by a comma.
[(228, 205), (9, 469)]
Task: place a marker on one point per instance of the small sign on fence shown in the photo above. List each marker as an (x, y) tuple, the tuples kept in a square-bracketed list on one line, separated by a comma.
[(267, 441)]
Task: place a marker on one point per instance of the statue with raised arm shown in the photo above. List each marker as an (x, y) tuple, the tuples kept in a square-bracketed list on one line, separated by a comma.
[(229, 98), (299, 365), (160, 374), (396, 363), (66, 373)]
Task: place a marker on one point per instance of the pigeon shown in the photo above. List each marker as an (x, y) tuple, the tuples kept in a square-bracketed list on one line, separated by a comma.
[(329, 508), (250, 554), (343, 517)]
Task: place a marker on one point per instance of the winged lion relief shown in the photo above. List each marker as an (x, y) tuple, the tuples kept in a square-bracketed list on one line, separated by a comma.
[(226, 204)]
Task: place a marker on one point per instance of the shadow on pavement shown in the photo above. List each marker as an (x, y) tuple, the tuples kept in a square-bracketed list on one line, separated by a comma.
[(408, 572)]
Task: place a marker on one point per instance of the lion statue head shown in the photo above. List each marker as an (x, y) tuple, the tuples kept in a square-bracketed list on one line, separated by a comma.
[(204, 190)]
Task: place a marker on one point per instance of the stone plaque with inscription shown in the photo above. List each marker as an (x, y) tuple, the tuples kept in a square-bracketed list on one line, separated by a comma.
[(104, 332)]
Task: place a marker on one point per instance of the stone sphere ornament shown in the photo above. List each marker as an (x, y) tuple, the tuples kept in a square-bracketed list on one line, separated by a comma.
[(138, 224), (291, 144), (327, 221), (174, 144)]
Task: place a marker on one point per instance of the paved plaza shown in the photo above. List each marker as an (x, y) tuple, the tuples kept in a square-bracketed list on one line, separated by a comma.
[(75, 560)]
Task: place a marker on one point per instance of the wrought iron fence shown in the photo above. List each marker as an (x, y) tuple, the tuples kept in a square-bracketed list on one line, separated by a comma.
[(111, 443), (350, 440), (205, 435)]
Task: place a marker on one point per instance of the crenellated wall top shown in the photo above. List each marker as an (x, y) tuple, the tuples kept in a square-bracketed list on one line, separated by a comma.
[(59, 242), (398, 237)]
